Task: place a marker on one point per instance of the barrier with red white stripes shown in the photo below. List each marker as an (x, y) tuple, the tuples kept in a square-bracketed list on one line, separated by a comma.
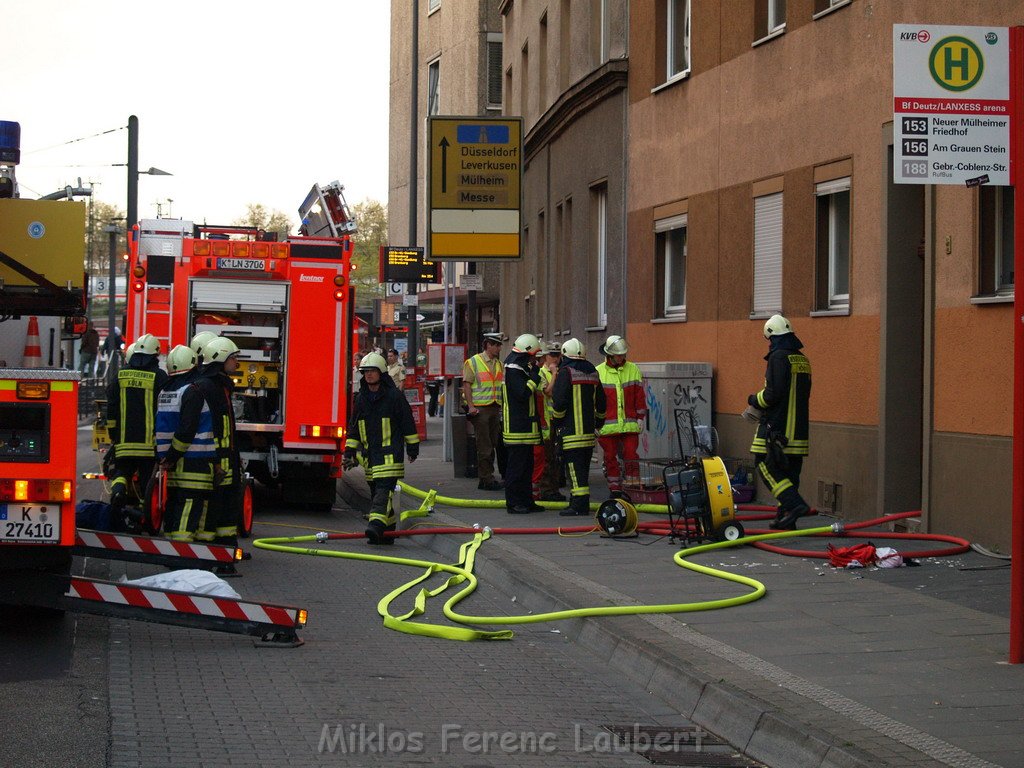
[(274, 623), (154, 550)]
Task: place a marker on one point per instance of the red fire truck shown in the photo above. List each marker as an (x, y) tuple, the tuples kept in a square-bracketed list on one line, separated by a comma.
[(288, 306)]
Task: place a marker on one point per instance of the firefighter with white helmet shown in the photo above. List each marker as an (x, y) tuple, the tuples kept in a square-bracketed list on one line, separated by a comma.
[(207, 412), (199, 341), (782, 413), (190, 477), (546, 469), (578, 410), (482, 377), (131, 418), (381, 432), (521, 426), (623, 385)]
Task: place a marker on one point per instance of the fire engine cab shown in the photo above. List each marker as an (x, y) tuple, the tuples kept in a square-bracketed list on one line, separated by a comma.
[(288, 306)]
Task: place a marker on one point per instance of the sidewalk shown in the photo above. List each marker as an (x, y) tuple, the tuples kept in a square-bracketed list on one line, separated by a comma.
[(872, 667)]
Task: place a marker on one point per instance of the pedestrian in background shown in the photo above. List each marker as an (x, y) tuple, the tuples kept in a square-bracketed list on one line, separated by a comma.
[(482, 377), (88, 348), (626, 409), (396, 368), (521, 427), (578, 411), (781, 409)]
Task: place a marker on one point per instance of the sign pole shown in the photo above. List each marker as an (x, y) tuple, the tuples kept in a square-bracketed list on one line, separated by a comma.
[(1017, 519)]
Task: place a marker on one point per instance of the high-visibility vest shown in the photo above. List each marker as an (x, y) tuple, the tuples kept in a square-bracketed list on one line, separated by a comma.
[(137, 413), (486, 381), (544, 407), (625, 398)]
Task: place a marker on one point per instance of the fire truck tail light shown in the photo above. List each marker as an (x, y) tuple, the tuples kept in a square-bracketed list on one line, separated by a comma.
[(339, 294), (303, 615), (65, 490), (21, 490), (137, 286), (33, 390), (321, 430), (280, 250), (35, 490), (240, 249), (201, 248), (261, 250), (222, 248)]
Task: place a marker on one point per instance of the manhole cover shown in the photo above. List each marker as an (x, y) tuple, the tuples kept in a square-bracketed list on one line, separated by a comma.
[(686, 745)]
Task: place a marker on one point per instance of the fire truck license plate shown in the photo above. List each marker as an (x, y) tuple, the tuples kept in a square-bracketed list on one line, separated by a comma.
[(240, 264), (38, 523)]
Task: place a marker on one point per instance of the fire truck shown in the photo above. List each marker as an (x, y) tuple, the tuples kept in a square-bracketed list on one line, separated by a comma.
[(288, 305)]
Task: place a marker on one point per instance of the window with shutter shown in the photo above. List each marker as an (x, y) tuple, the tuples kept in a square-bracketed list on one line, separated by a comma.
[(767, 255), (494, 70)]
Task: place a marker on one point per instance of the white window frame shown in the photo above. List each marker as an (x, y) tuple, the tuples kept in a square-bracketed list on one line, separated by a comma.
[(434, 93), (776, 17), (665, 227), (433, 5), (601, 223), (671, 44), (834, 239), (768, 218), (605, 33)]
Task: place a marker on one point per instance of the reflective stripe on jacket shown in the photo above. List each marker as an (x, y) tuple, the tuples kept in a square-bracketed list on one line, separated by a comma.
[(785, 401), (579, 404), (519, 404), (626, 401), (381, 426), (487, 379)]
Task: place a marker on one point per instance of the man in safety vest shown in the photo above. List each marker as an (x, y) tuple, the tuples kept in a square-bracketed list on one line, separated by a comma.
[(482, 378), (184, 445), (381, 433), (131, 420), (781, 410), (521, 428), (578, 411), (546, 470), (626, 409)]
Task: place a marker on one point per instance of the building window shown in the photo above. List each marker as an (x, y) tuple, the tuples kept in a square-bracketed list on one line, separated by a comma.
[(678, 48), (434, 87), (821, 6), (769, 17), (767, 255), (494, 70), (524, 80), (564, 44), (995, 241), (433, 5), (833, 244), (599, 228), (542, 66), (670, 255)]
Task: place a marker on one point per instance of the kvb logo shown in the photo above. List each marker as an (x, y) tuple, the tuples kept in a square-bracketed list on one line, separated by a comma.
[(956, 63)]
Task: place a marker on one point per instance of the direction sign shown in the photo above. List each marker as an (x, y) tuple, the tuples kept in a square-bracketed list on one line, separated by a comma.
[(475, 188), (952, 108)]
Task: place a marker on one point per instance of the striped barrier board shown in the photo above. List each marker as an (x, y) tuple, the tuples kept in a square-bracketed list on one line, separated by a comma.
[(151, 549), (277, 623)]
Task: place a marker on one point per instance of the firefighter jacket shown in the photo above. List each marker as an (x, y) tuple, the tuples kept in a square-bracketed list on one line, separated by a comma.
[(380, 428), (785, 397), (485, 377), (544, 402), (191, 449), (520, 424), (578, 404), (212, 388), (625, 396), (131, 407)]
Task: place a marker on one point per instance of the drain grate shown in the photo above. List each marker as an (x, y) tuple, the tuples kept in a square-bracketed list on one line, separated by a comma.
[(687, 745)]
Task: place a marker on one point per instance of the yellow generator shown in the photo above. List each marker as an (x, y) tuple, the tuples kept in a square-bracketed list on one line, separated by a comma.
[(698, 491)]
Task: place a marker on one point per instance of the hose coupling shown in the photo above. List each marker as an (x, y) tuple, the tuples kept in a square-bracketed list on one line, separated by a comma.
[(838, 529), (488, 530), (476, 526), (322, 536)]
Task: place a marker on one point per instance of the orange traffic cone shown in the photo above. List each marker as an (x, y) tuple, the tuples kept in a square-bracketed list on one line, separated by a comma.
[(33, 352)]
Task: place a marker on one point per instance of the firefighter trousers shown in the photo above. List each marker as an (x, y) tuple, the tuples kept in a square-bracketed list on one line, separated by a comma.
[(577, 470), (625, 445), (381, 493), (545, 468), (519, 476), (222, 515), (131, 476), (185, 513), (782, 474)]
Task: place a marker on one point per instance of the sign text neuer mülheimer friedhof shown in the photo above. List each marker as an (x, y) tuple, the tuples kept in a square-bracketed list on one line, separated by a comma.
[(951, 110), (474, 183)]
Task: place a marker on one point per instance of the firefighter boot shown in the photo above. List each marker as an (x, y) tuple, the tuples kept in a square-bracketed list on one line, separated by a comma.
[(375, 533)]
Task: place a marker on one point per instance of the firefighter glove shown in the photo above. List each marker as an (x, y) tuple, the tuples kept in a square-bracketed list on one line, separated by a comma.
[(412, 450), (349, 460), (752, 414)]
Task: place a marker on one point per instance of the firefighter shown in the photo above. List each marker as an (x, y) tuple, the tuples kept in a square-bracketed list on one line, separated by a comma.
[(380, 433), (212, 389), (545, 456), (627, 408), (521, 427), (578, 410), (184, 445), (199, 341), (781, 410), (482, 377), (131, 419)]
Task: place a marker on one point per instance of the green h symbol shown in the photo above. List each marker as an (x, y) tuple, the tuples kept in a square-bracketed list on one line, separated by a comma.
[(962, 62)]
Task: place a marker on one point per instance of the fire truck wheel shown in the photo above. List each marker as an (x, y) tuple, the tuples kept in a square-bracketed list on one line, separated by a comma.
[(245, 511), (156, 504)]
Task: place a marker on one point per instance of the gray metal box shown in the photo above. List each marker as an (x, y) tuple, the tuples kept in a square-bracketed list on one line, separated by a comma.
[(669, 386)]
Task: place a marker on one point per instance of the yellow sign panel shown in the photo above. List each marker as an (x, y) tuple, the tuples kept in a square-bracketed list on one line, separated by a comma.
[(47, 236), (475, 187)]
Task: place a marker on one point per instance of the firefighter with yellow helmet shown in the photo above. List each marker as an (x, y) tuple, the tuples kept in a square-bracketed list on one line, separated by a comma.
[(520, 423), (626, 402), (381, 432)]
